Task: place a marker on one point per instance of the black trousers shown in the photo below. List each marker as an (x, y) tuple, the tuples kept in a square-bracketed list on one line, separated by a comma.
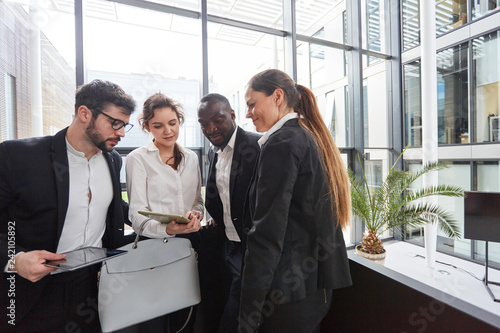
[(233, 256), (302, 316), (67, 304)]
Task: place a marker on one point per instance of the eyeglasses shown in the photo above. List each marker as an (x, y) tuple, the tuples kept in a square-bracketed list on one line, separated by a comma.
[(117, 123)]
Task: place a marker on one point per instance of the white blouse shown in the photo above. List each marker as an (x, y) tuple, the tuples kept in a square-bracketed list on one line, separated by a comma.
[(155, 186)]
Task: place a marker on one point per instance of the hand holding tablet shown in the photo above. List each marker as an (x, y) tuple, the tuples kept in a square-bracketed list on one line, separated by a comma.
[(83, 257), (165, 218)]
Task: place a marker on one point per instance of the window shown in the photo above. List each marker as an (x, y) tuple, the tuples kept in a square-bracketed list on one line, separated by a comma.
[(36, 97), (411, 23), (10, 107), (453, 96), (234, 56), (170, 61), (373, 29), (487, 178), (450, 15), (458, 174), (483, 7), (412, 104), (486, 87)]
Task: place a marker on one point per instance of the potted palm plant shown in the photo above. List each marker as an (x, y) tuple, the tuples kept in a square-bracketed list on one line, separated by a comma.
[(394, 206)]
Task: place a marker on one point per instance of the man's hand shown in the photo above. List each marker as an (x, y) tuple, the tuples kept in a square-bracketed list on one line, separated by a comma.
[(30, 265)]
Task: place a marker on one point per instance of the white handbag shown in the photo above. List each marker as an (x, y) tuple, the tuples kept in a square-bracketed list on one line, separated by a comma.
[(155, 277)]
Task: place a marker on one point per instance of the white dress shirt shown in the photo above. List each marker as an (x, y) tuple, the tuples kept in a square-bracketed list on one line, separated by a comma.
[(90, 194), (277, 126), (155, 186), (222, 179)]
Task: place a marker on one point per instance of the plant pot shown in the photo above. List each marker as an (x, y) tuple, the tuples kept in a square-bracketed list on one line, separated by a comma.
[(379, 258)]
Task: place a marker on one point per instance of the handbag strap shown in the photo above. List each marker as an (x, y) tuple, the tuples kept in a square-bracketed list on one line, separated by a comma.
[(141, 229)]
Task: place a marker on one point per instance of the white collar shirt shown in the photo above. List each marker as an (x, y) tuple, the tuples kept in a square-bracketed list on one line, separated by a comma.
[(155, 186), (277, 126), (222, 179), (90, 194)]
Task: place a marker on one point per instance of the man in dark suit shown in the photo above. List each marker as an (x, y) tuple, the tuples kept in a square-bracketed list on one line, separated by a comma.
[(232, 160), (59, 193)]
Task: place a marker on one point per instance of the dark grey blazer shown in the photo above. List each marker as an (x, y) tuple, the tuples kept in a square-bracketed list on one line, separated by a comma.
[(294, 246), (34, 192), (244, 157)]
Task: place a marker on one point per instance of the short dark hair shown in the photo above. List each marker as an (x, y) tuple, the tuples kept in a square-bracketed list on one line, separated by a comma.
[(96, 96), (218, 97)]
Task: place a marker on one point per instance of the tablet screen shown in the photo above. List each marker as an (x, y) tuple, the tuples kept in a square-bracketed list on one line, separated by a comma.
[(84, 257)]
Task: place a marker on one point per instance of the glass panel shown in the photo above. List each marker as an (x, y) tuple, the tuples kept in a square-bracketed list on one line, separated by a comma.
[(450, 14), (312, 15), (373, 28), (184, 4), (483, 7), (11, 109), (234, 56), (265, 13), (486, 87), (375, 100), (412, 104), (488, 180), (336, 116), (365, 115), (411, 23), (373, 172), (458, 174), (348, 230), (453, 97), (115, 40), (37, 75)]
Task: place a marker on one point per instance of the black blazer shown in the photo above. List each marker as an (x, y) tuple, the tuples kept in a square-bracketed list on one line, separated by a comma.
[(294, 246), (34, 193), (245, 155)]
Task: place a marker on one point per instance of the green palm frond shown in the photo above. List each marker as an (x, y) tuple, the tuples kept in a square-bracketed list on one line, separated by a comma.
[(394, 205)]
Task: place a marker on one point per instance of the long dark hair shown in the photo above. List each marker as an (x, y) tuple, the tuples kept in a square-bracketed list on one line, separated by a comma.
[(303, 101), (159, 101)]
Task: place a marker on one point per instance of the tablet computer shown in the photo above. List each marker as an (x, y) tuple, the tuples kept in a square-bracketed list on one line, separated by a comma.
[(83, 257), (165, 218)]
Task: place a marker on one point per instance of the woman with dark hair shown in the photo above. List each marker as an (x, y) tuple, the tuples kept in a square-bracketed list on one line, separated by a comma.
[(298, 203), (164, 177)]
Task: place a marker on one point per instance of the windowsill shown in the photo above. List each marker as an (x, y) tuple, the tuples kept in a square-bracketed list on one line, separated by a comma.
[(457, 289)]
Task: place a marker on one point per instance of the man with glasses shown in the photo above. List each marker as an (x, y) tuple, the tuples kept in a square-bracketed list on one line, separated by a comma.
[(59, 193)]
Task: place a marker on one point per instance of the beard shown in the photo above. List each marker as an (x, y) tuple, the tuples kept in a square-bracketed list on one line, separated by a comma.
[(97, 139)]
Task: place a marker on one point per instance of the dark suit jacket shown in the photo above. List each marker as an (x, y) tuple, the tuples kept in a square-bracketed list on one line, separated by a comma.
[(34, 193), (294, 246), (245, 155)]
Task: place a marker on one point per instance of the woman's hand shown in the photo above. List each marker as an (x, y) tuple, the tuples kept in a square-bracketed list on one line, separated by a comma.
[(174, 228)]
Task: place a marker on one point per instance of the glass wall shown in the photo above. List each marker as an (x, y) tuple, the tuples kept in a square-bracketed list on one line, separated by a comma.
[(115, 40), (484, 7), (450, 14), (487, 175), (412, 104), (410, 21), (373, 23), (457, 174), (37, 68), (234, 56), (486, 87), (453, 95)]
